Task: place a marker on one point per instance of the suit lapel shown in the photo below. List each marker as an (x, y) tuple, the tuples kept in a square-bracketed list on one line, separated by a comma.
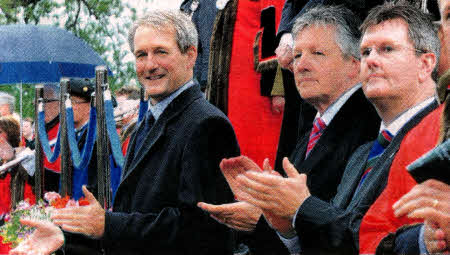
[(176, 107), (332, 134), (378, 176)]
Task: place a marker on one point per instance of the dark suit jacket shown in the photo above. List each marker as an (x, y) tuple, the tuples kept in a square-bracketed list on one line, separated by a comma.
[(335, 225), (155, 209), (327, 160)]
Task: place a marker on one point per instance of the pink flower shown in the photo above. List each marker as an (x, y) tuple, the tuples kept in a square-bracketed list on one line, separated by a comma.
[(23, 205), (72, 203), (51, 196)]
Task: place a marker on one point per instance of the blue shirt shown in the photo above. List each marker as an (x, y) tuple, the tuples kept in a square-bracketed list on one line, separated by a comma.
[(159, 107)]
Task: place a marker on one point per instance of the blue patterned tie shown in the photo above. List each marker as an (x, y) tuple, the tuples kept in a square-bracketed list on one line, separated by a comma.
[(378, 147), (140, 136)]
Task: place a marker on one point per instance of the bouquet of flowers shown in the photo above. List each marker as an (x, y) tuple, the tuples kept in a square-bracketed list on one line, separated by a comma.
[(13, 232)]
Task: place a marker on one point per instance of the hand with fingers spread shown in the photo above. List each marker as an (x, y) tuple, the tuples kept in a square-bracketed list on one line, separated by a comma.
[(240, 215), (45, 239), (430, 201), (232, 167), (275, 194), (88, 220)]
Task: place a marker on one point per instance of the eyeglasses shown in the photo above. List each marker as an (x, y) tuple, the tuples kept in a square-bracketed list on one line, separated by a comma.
[(45, 100), (388, 50), (48, 100)]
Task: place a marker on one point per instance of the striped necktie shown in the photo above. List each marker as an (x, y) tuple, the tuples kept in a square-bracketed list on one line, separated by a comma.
[(317, 130), (378, 147)]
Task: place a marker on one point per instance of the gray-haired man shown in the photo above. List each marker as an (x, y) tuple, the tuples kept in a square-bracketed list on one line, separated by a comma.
[(173, 156)]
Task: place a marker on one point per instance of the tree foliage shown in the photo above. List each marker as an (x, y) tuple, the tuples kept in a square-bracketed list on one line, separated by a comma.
[(103, 24)]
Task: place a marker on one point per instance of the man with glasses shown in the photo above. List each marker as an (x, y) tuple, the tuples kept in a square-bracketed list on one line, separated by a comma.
[(399, 53), (51, 109), (395, 222)]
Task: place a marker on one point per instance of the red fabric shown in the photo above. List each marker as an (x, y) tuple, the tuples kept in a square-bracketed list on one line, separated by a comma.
[(4, 248), (5, 197), (125, 145), (5, 202), (55, 166), (379, 219), (256, 127)]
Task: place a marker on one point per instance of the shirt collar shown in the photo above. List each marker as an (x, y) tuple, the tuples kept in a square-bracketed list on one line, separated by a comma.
[(334, 108), (159, 108), (404, 117)]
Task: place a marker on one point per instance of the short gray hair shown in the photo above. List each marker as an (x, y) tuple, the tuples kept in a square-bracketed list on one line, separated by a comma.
[(346, 22), (421, 30), (186, 33), (6, 98)]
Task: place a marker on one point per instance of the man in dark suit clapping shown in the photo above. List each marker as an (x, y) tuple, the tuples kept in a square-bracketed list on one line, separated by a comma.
[(326, 71)]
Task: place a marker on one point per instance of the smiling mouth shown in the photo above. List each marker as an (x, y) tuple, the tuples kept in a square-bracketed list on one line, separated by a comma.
[(155, 77)]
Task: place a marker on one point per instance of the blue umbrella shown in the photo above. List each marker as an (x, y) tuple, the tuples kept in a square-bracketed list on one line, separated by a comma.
[(37, 54)]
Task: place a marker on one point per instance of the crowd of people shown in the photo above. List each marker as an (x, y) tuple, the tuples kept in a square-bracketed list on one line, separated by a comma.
[(371, 97)]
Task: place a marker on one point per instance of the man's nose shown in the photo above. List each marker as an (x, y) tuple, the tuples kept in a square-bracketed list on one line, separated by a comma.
[(372, 59), (151, 63), (302, 64)]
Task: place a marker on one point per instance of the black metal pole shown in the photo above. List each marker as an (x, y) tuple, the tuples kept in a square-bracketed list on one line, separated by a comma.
[(39, 160), (103, 166), (66, 169)]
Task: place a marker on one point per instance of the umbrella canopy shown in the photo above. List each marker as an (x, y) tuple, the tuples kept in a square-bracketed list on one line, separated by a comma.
[(36, 54)]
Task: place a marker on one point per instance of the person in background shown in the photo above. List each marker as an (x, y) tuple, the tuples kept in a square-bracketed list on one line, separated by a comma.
[(28, 132), (15, 183), (51, 109), (6, 104), (126, 113)]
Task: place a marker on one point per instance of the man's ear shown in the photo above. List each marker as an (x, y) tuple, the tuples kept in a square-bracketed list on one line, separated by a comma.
[(355, 67), (191, 53), (426, 65)]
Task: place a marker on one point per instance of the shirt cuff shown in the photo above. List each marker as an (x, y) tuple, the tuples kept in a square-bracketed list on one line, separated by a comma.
[(292, 244), (422, 246)]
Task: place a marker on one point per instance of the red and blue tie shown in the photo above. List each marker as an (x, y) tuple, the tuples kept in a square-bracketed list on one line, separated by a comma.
[(317, 130), (378, 147)]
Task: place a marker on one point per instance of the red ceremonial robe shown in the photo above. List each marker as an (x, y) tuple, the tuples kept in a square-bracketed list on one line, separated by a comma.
[(257, 127), (379, 220)]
